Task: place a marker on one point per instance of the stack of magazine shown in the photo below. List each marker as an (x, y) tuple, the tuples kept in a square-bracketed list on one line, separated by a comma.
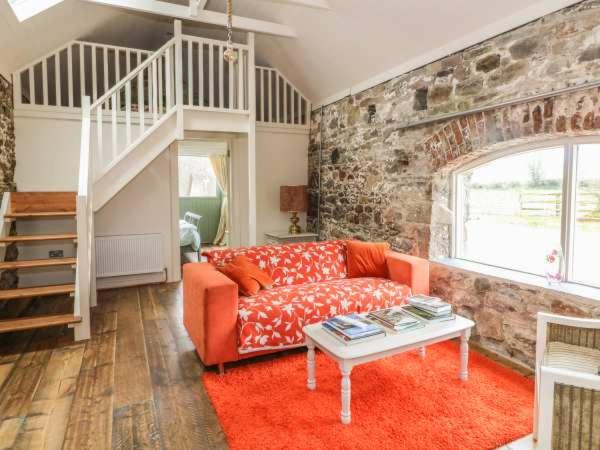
[(430, 309), (395, 318), (352, 329)]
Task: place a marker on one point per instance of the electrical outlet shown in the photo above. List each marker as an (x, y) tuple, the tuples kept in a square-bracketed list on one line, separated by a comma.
[(55, 254)]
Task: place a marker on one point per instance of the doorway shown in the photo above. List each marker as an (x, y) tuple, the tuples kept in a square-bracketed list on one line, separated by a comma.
[(203, 196)]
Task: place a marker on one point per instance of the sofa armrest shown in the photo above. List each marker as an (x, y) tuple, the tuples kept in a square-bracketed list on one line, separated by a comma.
[(210, 311), (409, 270)]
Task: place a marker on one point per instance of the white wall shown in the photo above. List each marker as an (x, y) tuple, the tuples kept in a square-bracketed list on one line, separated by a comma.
[(144, 206), (47, 150), (281, 159), (47, 157), (238, 233), (47, 153)]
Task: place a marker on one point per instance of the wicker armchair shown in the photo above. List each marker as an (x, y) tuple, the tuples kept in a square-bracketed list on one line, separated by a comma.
[(567, 398)]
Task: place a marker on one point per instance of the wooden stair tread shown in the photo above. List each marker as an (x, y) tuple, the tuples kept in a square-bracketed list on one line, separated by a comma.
[(28, 323), (40, 202), (39, 215), (37, 263), (38, 291), (39, 237)]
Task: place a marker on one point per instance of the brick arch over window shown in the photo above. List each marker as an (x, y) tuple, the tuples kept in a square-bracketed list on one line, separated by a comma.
[(464, 139)]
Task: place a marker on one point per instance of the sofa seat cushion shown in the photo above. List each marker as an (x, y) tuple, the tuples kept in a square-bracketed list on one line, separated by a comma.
[(291, 264), (273, 319)]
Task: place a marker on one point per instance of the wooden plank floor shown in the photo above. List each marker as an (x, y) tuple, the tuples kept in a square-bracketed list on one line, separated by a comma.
[(135, 385)]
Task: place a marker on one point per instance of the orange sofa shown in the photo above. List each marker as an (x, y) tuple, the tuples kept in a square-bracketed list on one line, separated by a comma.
[(311, 285)]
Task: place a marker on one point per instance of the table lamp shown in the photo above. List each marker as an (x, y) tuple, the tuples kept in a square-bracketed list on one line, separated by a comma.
[(293, 199)]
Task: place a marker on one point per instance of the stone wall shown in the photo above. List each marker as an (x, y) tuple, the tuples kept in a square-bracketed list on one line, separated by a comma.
[(382, 180), (7, 138), (505, 311), (8, 279)]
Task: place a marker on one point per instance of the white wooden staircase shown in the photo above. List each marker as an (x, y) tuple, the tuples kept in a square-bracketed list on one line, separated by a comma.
[(134, 104)]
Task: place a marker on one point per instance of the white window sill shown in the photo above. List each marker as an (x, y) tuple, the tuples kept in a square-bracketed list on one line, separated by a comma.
[(586, 292)]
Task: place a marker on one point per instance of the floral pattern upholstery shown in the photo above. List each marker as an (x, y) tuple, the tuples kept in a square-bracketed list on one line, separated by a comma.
[(291, 264), (310, 285), (273, 319)]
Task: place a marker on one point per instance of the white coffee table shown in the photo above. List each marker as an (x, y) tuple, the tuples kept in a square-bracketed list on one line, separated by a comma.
[(348, 356)]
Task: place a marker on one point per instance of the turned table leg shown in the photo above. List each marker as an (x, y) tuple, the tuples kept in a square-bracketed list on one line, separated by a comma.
[(464, 354), (311, 382), (346, 393)]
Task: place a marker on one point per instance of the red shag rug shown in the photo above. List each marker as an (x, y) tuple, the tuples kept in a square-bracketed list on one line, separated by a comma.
[(401, 402)]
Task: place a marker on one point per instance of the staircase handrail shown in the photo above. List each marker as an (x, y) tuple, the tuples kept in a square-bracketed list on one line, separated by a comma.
[(131, 75)]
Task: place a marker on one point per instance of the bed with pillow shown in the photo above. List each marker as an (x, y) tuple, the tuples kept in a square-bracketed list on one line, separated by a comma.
[(189, 232)]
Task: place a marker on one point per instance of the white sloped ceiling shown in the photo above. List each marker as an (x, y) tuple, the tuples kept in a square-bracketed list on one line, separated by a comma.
[(336, 50)]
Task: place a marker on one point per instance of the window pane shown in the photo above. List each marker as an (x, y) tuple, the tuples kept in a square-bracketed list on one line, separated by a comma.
[(510, 210), (587, 216), (196, 177)]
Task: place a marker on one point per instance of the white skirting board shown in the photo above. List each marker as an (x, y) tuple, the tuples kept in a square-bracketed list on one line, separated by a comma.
[(131, 280), (132, 254)]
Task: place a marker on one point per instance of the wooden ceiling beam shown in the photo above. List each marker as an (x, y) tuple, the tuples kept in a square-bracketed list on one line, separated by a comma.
[(319, 4), (197, 5), (204, 16)]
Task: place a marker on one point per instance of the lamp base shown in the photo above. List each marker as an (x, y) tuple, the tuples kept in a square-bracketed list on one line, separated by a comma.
[(294, 227)]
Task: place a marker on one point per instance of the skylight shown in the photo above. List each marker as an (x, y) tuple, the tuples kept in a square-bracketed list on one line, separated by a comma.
[(24, 9)]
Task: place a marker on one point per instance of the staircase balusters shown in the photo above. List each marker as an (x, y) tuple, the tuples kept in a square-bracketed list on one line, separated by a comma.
[(45, 81), (142, 91), (211, 77), (231, 84), (58, 81), (290, 106), (277, 90), (141, 101), (241, 75), (31, 87), (113, 106), (128, 113), (190, 75), (160, 85), (70, 74), (82, 86), (221, 78), (168, 78), (117, 65), (105, 69), (65, 70), (201, 74), (94, 74), (270, 94)]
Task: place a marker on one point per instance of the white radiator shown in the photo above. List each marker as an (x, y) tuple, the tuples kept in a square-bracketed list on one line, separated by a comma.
[(130, 254)]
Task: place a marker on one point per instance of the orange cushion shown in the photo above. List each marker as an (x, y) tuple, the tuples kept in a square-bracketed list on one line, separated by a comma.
[(247, 275), (262, 277), (367, 259)]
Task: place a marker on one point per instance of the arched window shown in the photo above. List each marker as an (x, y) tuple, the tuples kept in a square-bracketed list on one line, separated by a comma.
[(526, 208)]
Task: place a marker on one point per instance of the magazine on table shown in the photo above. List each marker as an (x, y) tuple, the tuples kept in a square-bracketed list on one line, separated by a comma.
[(426, 315), (347, 341), (395, 318), (434, 305), (352, 327)]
